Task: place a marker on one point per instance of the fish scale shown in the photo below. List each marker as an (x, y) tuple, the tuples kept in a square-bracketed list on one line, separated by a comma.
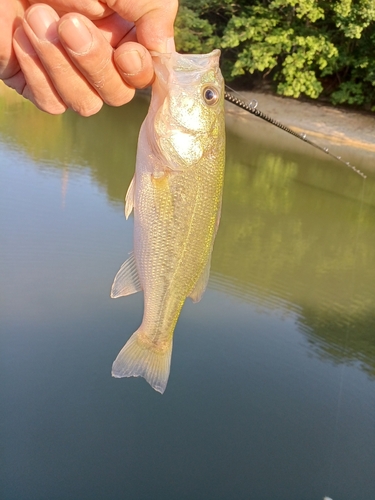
[(176, 194)]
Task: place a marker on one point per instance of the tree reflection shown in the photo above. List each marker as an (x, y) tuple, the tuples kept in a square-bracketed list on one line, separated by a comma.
[(297, 231)]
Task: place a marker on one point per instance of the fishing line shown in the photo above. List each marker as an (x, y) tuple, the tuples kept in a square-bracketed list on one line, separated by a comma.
[(252, 107)]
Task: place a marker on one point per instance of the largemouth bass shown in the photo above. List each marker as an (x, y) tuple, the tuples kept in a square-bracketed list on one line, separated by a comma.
[(176, 195)]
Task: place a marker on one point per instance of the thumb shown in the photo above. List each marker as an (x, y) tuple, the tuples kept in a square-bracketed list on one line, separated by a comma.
[(10, 17), (153, 20)]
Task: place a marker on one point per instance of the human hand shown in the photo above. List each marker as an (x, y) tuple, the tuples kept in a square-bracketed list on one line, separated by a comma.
[(69, 62)]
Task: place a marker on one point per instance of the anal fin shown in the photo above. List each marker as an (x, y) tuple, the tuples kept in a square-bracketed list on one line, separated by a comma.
[(126, 280)]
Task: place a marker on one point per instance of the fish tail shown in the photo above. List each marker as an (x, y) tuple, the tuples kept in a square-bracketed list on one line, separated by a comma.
[(140, 357)]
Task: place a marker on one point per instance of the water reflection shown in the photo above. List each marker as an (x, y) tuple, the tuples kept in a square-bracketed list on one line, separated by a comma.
[(297, 232), (284, 240), (262, 402), (104, 144)]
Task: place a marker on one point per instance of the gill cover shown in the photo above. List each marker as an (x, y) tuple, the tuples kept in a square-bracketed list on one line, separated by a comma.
[(192, 88)]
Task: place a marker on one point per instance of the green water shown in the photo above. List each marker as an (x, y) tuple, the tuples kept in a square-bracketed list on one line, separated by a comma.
[(272, 387)]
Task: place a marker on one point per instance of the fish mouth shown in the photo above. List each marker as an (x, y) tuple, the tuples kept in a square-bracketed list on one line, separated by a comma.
[(187, 69), (213, 53), (187, 62)]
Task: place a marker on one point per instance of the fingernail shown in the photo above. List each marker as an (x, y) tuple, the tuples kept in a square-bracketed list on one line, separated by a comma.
[(130, 62), (43, 22), (20, 38), (75, 35)]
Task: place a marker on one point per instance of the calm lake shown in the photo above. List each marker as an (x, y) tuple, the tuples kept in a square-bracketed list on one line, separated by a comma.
[(272, 388)]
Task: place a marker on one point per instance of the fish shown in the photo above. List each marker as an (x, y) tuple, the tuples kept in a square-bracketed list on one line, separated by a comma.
[(176, 195)]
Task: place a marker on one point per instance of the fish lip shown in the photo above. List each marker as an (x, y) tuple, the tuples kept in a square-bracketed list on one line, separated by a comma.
[(175, 68), (215, 52), (189, 63)]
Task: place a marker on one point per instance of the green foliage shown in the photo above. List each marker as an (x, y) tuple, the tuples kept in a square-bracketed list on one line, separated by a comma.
[(353, 17), (349, 92), (305, 47), (193, 33)]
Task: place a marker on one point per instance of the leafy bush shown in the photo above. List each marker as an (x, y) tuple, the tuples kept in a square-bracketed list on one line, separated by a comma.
[(306, 47)]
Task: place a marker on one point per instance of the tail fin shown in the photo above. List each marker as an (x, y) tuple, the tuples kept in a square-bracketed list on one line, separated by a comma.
[(140, 358)]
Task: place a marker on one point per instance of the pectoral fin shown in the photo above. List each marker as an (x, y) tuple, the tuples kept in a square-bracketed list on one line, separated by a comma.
[(201, 285), (129, 198), (126, 280)]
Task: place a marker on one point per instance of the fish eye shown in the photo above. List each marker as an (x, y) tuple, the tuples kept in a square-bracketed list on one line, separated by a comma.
[(210, 95)]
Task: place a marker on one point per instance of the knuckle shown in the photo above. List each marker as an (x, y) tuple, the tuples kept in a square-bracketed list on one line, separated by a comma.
[(119, 98), (88, 108)]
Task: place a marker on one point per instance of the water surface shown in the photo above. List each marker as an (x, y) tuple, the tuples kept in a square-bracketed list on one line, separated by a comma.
[(272, 386)]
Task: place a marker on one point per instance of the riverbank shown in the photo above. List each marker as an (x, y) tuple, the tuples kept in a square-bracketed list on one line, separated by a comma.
[(340, 126)]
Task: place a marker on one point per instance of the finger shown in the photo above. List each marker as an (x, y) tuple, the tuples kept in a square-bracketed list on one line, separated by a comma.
[(93, 56), (134, 64), (10, 17), (153, 20), (114, 28), (40, 26), (16, 82), (32, 82), (93, 9)]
